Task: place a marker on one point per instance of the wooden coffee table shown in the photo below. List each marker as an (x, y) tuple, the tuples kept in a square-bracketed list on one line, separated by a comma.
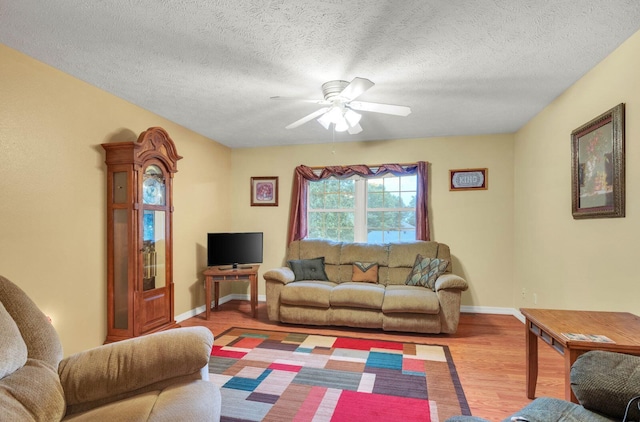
[(549, 324)]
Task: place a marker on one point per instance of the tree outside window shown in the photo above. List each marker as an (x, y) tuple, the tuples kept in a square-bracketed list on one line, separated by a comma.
[(372, 210)]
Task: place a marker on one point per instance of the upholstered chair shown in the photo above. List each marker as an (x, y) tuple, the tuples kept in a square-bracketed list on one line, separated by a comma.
[(159, 377)]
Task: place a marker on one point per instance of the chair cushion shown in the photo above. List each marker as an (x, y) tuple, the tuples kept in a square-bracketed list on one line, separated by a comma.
[(410, 299), (605, 381), (552, 409), (32, 393), (14, 349)]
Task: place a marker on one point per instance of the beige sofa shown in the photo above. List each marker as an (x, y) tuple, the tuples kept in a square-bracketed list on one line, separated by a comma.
[(389, 303), (159, 377)]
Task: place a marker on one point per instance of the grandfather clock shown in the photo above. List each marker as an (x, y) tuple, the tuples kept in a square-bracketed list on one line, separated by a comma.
[(139, 242)]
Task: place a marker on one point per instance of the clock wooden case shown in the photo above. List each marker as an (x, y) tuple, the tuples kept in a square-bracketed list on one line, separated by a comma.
[(140, 292)]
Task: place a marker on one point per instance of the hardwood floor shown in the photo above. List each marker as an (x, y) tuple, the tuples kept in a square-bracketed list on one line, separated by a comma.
[(488, 351)]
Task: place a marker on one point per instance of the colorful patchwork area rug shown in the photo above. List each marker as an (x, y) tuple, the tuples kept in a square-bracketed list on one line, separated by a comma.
[(280, 376)]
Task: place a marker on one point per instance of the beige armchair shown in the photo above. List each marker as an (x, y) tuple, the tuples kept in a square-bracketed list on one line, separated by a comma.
[(159, 377)]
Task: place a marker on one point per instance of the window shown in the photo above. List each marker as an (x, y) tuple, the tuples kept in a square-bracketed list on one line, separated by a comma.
[(374, 210)]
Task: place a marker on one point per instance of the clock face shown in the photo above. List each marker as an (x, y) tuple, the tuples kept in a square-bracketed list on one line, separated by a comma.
[(153, 186)]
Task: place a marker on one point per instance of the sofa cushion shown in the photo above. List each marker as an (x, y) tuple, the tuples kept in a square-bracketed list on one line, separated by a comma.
[(410, 299), (357, 295), (425, 271), (14, 349), (365, 271), (307, 293), (403, 254), (308, 269)]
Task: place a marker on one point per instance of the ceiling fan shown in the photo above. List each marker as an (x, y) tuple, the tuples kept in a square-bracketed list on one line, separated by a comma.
[(340, 107)]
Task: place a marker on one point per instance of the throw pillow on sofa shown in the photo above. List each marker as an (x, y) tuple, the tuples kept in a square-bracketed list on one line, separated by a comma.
[(426, 271), (308, 269), (365, 271)]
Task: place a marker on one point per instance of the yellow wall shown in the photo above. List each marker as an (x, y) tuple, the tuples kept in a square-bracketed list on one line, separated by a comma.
[(477, 225), (53, 185), (577, 264)]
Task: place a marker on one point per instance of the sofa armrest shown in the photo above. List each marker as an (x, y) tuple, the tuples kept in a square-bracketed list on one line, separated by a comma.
[(605, 381), (284, 275), (129, 365), (451, 281)]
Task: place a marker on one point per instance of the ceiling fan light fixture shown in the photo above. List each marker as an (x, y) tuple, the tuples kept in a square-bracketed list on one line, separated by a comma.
[(341, 109), (342, 126), (325, 120), (335, 114), (352, 117)]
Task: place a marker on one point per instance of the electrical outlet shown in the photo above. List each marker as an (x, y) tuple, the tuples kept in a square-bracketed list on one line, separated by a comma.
[(535, 298), (524, 293)]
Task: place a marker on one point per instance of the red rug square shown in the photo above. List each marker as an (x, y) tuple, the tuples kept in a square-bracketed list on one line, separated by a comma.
[(354, 406)]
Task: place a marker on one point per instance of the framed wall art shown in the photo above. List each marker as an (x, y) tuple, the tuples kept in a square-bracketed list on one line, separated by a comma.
[(264, 191), (598, 166), (468, 179)]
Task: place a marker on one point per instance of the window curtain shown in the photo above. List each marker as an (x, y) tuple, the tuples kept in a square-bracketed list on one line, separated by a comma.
[(298, 228)]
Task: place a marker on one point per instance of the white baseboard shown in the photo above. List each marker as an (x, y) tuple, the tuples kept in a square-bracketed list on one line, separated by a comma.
[(492, 310), (222, 300), (464, 309)]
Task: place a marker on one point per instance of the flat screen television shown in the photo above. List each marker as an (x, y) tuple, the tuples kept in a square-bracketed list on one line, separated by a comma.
[(234, 249)]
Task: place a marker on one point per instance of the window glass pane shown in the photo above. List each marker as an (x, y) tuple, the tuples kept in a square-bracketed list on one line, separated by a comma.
[(316, 188), (332, 185), (348, 186), (409, 183), (332, 201), (374, 220), (392, 200), (347, 200), (391, 183), (347, 236), (316, 202), (408, 199), (408, 219), (332, 234), (375, 200), (357, 209)]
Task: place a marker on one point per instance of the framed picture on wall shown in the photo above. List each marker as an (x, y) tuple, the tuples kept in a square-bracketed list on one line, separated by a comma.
[(468, 179), (598, 166), (264, 191)]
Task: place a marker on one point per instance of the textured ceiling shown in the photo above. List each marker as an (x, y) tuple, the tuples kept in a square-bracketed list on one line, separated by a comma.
[(464, 67)]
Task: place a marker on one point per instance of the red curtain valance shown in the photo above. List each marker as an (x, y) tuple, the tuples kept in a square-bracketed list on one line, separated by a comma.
[(298, 228)]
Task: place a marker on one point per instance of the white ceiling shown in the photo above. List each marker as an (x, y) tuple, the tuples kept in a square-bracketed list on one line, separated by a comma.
[(463, 66)]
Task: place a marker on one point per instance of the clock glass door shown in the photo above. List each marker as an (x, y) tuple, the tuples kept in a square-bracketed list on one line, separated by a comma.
[(155, 296)]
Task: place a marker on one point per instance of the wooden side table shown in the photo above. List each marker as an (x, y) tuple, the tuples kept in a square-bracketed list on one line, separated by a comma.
[(217, 275), (549, 324)]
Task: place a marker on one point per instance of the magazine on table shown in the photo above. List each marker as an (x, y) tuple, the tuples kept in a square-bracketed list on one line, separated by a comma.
[(593, 338)]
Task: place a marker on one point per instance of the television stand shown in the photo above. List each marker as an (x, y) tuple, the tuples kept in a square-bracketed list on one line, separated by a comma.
[(217, 275), (238, 267)]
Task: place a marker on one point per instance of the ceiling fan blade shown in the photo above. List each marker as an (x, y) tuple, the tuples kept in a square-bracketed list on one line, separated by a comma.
[(356, 88), (307, 118), (353, 130), (301, 100), (396, 110)]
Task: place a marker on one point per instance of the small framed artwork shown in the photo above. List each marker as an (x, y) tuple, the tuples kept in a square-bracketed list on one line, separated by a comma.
[(264, 191), (468, 179), (598, 166)]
